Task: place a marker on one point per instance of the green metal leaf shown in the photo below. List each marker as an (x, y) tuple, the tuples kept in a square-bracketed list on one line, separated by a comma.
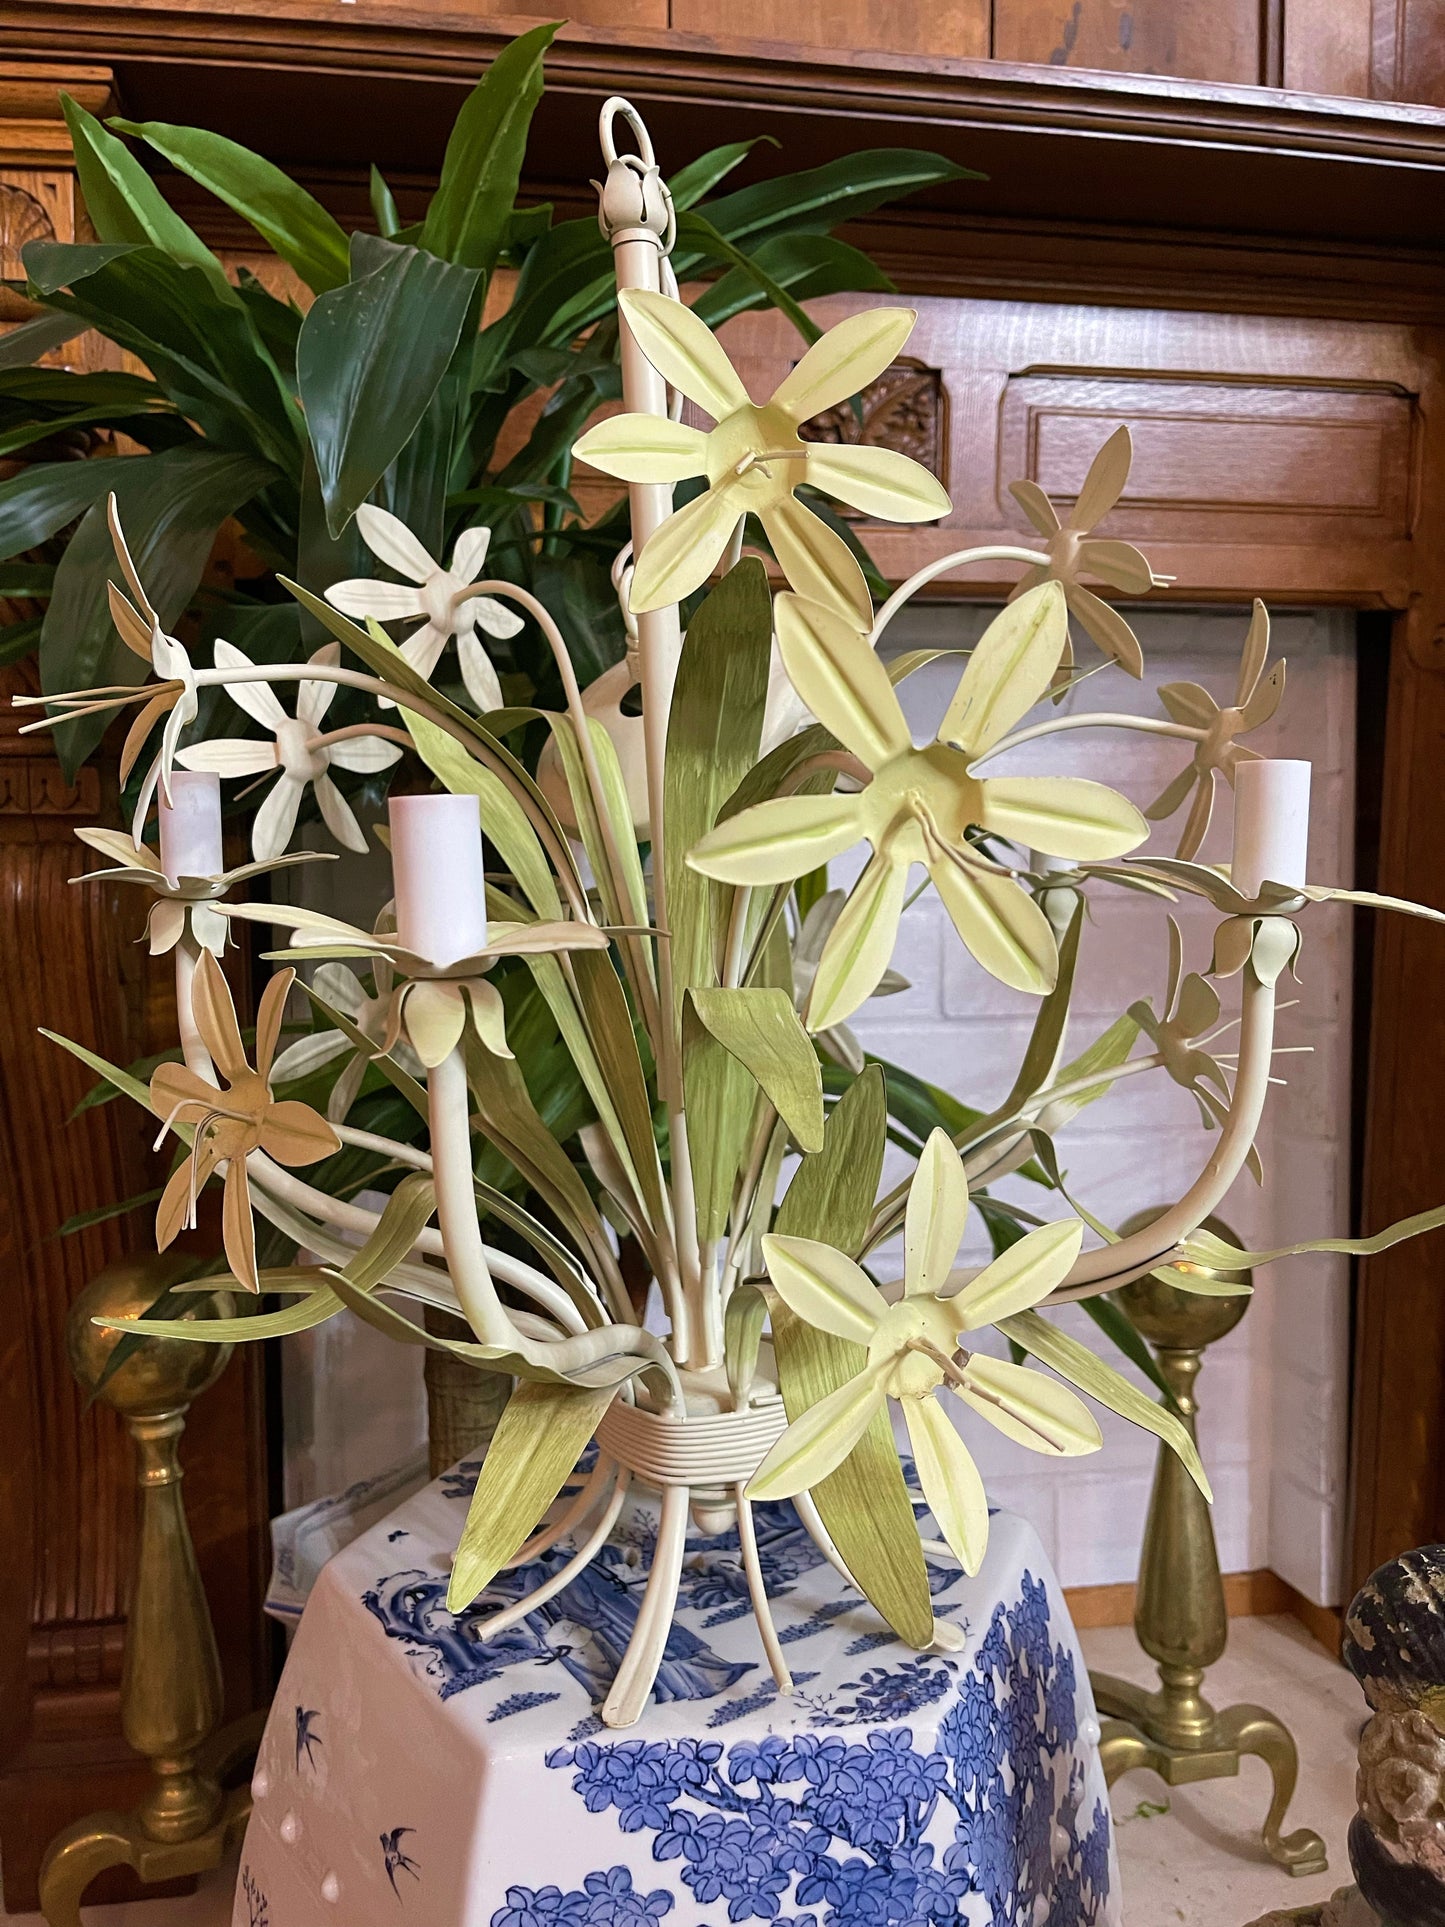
[(762, 1030), (864, 1504), (712, 742), (291, 222), (467, 219), (743, 1322), (1077, 1363), (537, 1443), (368, 361)]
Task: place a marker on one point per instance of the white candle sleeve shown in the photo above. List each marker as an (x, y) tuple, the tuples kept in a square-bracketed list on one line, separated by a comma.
[(1271, 823), (191, 825), (436, 862)]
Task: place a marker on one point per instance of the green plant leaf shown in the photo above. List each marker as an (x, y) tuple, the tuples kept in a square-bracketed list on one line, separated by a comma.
[(202, 348), (383, 205), (21, 346), (824, 197), (171, 505), (807, 265), (712, 743), (537, 1443), (700, 231), (124, 203), (690, 183), (865, 1503), (368, 360), (762, 1030), (1080, 1367), (468, 216), (292, 222)]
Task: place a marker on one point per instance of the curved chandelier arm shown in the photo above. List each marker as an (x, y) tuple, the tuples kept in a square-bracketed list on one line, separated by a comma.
[(1110, 1266), (960, 558)]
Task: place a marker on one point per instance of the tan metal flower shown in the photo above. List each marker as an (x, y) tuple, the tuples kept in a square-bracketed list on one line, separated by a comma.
[(233, 1120), (436, 1000), (1074, 550), (190, 899), (1256, 698)]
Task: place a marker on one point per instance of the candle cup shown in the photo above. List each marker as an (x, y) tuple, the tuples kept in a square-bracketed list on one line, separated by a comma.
[(436, 861), (190, 825), (1271, 824)]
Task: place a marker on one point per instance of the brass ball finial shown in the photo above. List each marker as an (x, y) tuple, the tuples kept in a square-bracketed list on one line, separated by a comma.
[(162, 1375), (1182, 1320)]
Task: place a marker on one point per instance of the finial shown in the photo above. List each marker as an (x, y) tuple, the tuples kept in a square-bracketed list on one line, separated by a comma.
[(633, 202)]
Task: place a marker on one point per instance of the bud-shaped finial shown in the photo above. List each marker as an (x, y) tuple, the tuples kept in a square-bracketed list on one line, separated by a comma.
[(633, 202)]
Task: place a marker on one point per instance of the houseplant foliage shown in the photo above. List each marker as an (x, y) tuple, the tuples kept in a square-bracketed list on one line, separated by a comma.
[(672, 1000)]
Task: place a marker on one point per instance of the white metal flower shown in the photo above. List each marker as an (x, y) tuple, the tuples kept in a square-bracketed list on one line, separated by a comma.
[(915, 1349), (755, 458), (442, 596), (340, 987), (188, 898), (301, 751)]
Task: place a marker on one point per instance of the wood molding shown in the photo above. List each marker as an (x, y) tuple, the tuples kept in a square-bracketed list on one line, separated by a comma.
[(318, 84), (1260, 1593)]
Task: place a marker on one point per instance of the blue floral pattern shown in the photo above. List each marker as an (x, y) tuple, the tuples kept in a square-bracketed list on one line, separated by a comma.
[(841, 1830)]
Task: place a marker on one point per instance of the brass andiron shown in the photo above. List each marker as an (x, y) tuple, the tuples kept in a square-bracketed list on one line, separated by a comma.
[(1179, 1611), (171, 1681)]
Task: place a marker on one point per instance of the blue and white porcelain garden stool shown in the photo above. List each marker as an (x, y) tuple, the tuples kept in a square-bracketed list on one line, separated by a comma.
[(410, 1771)]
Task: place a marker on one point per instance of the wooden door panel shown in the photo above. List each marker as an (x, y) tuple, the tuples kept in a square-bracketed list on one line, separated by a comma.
[(1193, 39), (951, 29)]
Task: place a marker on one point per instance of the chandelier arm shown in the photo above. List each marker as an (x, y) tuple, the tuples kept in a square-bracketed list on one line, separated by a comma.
[(582, 1504), (565, 1573), (930, 572), (1101, 719), (1110, 1266)]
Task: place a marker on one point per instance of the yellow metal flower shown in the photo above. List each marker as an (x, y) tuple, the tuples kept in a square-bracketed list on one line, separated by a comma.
[(234, 1120), (1256, 698), (1074, 551), (915, 1349), (923, 805), (755, 458)]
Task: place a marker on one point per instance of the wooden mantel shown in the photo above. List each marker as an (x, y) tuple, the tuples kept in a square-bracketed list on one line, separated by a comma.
[(1314, 200)]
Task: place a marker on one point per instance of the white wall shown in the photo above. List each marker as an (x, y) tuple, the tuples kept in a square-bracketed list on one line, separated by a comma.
[(1273, 1394)]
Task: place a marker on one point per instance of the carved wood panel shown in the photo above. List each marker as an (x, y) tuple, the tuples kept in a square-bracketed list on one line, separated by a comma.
[(1274, 455), (1194, 39)]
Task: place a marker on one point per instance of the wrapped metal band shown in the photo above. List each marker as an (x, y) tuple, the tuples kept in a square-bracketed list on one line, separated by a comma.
[(710, 1449)]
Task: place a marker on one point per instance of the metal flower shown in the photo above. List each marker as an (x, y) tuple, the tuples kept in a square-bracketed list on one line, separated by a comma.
[(443, 596), (188, 898), (838, 1041), (755, 458), (140, 630), (301, 751), (231, 1122), (434, 1004), (915, 1349), (1074, 551), (1256, 698), (1191, 1011), (923, 805), (343, 990)]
